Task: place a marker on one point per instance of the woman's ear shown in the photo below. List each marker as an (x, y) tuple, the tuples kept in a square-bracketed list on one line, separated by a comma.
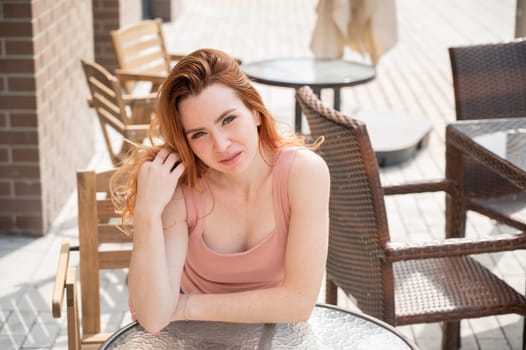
[(257, 117)]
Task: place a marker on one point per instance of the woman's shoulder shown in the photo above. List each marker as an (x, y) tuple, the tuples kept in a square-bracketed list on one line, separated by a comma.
[(308, 168), (306, 159), (308, 177)]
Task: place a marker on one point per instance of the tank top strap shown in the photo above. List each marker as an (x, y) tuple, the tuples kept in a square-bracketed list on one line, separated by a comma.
[(280, 178), (194, 202)]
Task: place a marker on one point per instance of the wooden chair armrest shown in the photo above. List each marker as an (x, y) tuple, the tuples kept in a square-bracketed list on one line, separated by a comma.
[(125, 76), (60, 279), (175, 56), (147, 98), (422, 187), (398, 251)]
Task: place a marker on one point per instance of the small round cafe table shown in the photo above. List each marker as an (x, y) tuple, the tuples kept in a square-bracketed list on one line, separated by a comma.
[(396, 136), (329, 327), (318, 73)]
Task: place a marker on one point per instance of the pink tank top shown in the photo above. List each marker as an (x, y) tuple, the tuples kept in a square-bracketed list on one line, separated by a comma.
[(207, 271)]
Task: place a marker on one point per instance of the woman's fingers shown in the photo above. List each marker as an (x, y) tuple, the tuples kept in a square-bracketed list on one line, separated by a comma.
[(178, 169), (161, 156), (167, 159)]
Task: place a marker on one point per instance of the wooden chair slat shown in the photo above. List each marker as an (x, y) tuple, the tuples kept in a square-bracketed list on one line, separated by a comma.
[(146, 60), (135, 31), (152, 43), (114, 259), (106, 210), (110, 233)]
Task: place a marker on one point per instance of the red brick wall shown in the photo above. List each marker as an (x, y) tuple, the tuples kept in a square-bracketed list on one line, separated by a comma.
[(109, 15), (46, 128), (167, 10)]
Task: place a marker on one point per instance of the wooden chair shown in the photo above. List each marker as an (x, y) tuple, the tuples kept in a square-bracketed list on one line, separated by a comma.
[(490, 82), (123, 114), (400, 283), (97, 225), (141, 53)]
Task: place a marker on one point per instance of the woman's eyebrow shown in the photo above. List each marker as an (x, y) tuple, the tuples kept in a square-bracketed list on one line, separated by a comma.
[(218, 119)]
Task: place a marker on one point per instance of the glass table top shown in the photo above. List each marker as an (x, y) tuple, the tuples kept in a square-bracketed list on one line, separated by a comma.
[(327, 328), (506, 138), (315, 72)]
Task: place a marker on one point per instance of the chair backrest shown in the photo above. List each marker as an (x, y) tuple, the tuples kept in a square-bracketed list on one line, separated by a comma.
[(358, 223), (140, 48), (489, 81), (102, 243), (107, 100)]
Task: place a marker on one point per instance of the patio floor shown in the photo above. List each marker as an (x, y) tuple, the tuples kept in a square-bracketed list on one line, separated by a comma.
[(413, 77)]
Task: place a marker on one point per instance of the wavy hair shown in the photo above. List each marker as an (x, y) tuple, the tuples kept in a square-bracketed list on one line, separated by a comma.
[(191, 75)]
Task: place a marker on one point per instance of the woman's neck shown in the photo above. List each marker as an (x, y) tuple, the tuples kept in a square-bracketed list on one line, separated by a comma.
[(247, 182)]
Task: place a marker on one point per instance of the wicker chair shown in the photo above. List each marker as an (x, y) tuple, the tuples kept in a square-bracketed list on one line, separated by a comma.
[(490, 82), (400, 283)]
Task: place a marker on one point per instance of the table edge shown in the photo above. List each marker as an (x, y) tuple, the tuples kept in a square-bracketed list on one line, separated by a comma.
[(298, 85), (364, 316)]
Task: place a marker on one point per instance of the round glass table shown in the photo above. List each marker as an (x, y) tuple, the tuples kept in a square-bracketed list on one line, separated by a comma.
[(318, 73), (328, 327)]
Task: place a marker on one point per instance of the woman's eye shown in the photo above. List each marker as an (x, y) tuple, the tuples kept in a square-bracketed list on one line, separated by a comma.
[(198, 135), (228, 119)]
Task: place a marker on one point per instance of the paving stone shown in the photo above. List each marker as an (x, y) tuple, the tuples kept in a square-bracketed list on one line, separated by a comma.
[(19, 322), (42, 335), (11, 341)]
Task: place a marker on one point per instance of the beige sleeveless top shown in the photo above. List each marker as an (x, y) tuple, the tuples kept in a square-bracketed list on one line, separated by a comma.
[(207, 271)]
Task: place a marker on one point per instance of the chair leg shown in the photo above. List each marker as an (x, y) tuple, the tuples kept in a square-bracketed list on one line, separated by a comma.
[(331, 292), (451, 336), (73, 315)]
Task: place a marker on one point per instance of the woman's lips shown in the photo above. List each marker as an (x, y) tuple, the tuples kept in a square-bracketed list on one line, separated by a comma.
[(231, 159)]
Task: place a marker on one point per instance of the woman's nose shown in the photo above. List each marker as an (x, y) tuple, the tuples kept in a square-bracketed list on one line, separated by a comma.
[(221, 141)]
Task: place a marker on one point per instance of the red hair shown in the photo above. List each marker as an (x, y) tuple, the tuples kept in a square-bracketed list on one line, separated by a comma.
[(189, 77)]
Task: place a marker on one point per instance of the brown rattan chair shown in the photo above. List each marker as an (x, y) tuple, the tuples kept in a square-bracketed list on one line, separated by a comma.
[(490, 82), (400, 283), (119, 113), (102, 245)]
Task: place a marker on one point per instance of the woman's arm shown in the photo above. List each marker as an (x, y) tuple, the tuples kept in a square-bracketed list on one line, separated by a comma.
[(304, 262), (159, 243)]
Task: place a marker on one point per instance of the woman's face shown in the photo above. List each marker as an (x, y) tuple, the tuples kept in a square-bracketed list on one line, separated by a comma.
[(220, 129)]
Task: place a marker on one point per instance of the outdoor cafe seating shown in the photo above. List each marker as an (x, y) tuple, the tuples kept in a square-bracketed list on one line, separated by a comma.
[(118, 113), (489, 82), (142, 56), (398, 282), (102, 245), (141, 53)]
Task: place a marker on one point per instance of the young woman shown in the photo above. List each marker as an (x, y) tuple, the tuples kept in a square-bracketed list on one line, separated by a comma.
[(230, 218)]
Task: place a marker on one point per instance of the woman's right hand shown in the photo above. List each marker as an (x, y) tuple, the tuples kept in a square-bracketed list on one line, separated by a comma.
[(156, 182)]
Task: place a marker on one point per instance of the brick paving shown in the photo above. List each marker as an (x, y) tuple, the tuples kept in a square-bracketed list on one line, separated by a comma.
[(413, 77)]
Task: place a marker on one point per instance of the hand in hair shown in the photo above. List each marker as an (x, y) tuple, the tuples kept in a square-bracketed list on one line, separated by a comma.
[(157, 180)]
